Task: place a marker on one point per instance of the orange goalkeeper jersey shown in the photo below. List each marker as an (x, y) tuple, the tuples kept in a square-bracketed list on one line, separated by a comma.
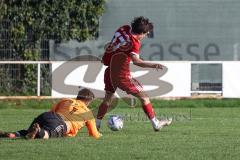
[(76, 115)]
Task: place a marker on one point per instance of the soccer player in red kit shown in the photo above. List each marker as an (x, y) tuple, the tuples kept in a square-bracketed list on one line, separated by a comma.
[(124, 48)]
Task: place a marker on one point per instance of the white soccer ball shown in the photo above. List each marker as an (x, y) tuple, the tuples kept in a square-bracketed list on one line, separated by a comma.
[(115, 122)]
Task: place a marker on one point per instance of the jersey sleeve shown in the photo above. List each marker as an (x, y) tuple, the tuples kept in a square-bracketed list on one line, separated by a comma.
[(92, 129), (135, 47)]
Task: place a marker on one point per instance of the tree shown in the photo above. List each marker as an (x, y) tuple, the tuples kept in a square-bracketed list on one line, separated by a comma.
[(27, 22)]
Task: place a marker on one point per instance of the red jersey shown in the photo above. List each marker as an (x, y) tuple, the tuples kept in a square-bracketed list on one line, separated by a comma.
[(118, 52)]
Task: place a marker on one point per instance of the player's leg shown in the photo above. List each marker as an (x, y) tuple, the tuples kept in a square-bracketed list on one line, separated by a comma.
[(36, 129), (33, 131), (107, 101), (23, 133), (103, 108), (17, 134), (37, 132), (48, 125), (133, 87), (146, 104), (7, 134), (149, 111), (29, 134)]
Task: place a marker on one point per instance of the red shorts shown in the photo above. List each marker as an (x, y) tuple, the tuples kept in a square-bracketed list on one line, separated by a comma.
[(127, 83)]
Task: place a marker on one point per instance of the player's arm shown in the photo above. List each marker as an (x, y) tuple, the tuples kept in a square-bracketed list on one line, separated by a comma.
[(141, 63), (92, 129)]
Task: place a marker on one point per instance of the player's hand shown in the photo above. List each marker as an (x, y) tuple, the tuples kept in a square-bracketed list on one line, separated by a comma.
[(158, 66)]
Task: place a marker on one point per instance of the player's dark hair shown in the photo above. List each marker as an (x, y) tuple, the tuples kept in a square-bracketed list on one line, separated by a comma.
[(85, 94), (141, 25)]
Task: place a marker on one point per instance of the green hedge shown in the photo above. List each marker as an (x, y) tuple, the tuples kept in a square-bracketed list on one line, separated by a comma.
[(24, 23)]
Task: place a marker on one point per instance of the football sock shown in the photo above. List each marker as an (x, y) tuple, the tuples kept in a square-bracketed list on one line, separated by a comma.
[(148, 109), (102, 110), (17, 134), (21, 133)]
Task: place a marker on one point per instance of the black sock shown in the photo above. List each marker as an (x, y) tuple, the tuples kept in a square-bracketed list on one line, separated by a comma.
[(21, 133)]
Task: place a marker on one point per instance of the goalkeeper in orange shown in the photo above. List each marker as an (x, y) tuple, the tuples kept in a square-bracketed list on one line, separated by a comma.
[(64, 119)]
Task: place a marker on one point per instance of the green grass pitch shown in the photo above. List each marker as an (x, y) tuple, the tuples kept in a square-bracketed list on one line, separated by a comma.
[(206, 133)]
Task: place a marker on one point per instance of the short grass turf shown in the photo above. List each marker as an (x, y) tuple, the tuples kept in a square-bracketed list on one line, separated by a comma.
[(196, 133)]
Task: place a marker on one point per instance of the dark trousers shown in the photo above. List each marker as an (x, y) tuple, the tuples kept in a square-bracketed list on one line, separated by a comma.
[(50, 122)]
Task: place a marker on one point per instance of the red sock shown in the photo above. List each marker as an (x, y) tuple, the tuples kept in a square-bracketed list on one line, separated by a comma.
[(102, 110), (148, 109)]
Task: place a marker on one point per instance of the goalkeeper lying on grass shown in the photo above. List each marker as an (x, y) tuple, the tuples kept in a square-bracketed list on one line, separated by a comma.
[(63, 120)]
